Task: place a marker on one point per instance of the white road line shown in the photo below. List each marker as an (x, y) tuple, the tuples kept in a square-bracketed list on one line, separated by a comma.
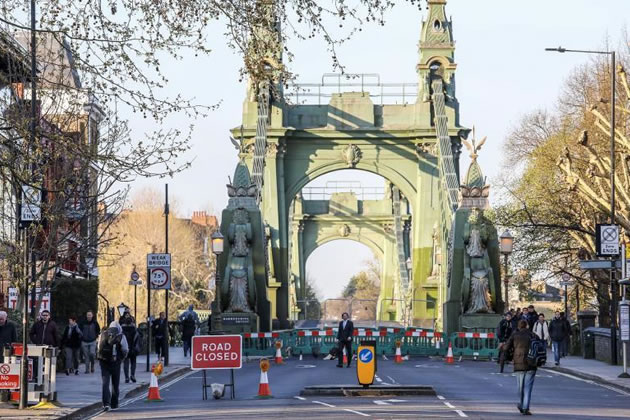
[(300, 398), (588, 381), (441, 397), (377, 378), (461, 413), (325, 404), (448, 404), (380, 402), (391, 379), (357, 412)]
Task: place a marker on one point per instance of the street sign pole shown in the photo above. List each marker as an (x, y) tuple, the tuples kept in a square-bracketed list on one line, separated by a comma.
[(624, 312), (148, 318), (167, 337)]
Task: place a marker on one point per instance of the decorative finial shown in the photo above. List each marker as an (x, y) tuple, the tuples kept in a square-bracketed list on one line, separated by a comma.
[(472, 146)]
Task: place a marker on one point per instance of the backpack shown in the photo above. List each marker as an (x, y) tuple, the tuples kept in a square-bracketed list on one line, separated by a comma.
[(537, 354), (109, 338)]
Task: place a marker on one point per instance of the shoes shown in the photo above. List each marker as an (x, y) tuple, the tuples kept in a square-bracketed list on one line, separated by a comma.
[(519, 408), (126, 380), (527, 413), (340, 366), (76, 372), (557, 363), (133, 379), (348, 366), (107, 408), (92, 369)]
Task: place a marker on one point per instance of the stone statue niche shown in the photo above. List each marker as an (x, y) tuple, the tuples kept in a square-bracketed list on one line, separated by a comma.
[(477, 296), (243, 296)]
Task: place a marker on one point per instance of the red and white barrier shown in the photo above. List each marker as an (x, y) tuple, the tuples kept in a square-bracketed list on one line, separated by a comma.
[(475, 335), (261, 335)]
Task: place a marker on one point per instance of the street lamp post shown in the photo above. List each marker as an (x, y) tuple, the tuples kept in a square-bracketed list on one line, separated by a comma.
[(217, 249), (409, 306), (506, 245), (613, 284)]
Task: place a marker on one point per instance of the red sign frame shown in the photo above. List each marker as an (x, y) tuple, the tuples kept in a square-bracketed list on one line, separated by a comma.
[(216, 352), (9, 379)]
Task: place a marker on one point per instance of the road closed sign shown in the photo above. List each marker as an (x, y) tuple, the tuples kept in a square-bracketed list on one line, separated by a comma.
[(9, 376), (216, 352)]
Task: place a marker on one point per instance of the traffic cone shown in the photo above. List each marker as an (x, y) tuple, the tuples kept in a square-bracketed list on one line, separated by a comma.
[(345, 356), (449, 354), (300, 356), (398, 358), (278, 358), (154, 390), (263, 387)]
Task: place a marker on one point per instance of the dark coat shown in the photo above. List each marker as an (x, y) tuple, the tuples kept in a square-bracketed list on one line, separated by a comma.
[(345, 334), (158, 328), (519, 342), (8, 334), (504, 330), (558, 330), (131, 334), (91, 330), (71, 339), (189, 326), (44, 334)]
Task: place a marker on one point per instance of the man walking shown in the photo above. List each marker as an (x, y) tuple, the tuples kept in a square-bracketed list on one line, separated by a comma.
[(71, 343), (189, 321), (158, 330), (344, 337), (558, 333), (532, 315), (519, 342), (91, 331), (44, 331), (541, 329), (128, 325), (8, 333), (111, 350), (504, 331)]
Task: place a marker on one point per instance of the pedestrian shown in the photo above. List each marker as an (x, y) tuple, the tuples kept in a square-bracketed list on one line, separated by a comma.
[(158, 330), (504, 331), (8, 333), (189, 321), (519, 343), (532, 315), (128, 325), (567, 339), (44, 331), (71, 343), (541, 329), (91, 331), (558, 332), (111, 350), (344, 338)]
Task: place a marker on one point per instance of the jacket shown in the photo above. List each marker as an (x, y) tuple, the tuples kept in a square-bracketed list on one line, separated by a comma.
[(44, 334), (120, 350), (71, 337), (541, 329), (158, 328), (8, 334), (558, 330), (90, 330), (504, 330), (519, 343), (344, 334), (131, 334)]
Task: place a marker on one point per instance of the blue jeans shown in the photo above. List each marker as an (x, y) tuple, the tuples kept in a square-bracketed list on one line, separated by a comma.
[(525, 380), (557, 349)]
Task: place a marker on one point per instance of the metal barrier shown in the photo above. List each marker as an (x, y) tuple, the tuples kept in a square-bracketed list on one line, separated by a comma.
[(42, 372), (262, 344), (422, 343), (475, 345)]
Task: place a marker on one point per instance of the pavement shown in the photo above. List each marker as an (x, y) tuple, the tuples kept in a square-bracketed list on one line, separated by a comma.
[(466, 389), (592, 370), (81, 393)]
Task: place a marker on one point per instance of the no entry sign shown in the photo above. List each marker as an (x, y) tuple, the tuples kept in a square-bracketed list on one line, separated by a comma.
[(216, 352), (9, 376)]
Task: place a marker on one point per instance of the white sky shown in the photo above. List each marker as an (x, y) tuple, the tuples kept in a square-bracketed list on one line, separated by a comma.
[(503, 72)]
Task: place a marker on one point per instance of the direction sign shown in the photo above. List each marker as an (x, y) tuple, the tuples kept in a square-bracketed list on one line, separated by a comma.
[(607, 240), (216, 352), (9, 376)]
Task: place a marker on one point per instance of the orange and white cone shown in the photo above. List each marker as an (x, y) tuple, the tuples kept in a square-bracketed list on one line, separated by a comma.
[(264, 391), (449, 354), (345, 357), (154, 390), (398, 358), (278, 358)]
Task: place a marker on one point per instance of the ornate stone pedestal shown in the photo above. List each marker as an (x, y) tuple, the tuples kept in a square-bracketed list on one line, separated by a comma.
[(235, 323), (479, 321)]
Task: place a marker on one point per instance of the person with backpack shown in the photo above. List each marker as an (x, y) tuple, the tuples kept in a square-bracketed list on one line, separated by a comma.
[(504, 331), (111, 350), (71, 343), (558, 332), (189, 321), (541, 329), (527, 356), (128, 325)]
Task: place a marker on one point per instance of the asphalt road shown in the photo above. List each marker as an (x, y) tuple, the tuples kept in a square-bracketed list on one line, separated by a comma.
[(466, 389)]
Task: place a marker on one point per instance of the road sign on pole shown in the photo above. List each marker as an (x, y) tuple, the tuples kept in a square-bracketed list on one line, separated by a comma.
[(624, 321), (607, 240), (216, 352), (135, 279), (159, 267)]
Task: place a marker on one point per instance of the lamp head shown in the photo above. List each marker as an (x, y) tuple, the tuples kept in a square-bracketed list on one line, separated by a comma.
[(558, 49), (506, 243), (217, 242)]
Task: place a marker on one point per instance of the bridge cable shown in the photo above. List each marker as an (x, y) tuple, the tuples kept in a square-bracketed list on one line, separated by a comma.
[(260, 144), (400, 245)]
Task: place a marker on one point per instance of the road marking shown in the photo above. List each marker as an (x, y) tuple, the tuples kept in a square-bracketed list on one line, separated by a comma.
[(588, 381), (325, 404), (391, 379), (441, 397), (377, 378), (300, 398), (461, 413), (380, 402), (448, 404), (357, 412)]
